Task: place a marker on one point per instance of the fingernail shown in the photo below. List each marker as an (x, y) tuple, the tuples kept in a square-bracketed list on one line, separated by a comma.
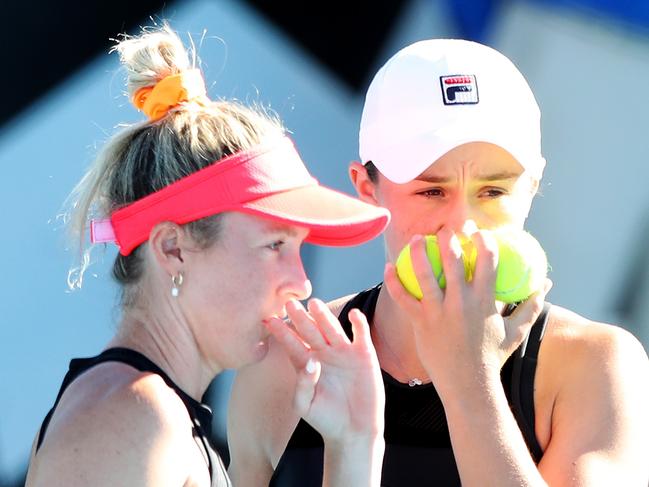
[(310, 366), (318, 304), (416, 238)]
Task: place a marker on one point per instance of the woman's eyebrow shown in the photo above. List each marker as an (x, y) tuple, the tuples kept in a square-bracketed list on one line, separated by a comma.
[(433, 179), (289, 230), (498, 176)]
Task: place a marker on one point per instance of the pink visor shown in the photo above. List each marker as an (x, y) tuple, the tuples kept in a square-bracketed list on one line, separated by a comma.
[(269, 180)]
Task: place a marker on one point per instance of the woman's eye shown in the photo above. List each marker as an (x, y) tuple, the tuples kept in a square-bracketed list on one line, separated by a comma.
[(433, 193), (493, 192), (275, 245)]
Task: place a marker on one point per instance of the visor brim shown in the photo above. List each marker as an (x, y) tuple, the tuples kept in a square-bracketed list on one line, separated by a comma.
[(332, 218)]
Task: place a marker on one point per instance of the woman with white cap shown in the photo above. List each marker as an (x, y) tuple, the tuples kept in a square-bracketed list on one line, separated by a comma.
[(450, 143), (209, 203)]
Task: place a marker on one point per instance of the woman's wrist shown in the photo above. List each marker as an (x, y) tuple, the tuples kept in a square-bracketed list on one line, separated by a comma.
[(356, 460), (472, 390), (355, 441)]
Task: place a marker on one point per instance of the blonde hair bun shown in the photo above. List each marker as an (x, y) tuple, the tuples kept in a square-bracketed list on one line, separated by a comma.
[(152, 56)]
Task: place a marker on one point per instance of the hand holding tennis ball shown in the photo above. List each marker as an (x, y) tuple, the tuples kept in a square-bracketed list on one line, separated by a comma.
[(522, 265)]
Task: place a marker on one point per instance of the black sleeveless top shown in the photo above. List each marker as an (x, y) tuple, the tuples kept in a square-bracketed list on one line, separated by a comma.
[(200, 414), (418, 449)]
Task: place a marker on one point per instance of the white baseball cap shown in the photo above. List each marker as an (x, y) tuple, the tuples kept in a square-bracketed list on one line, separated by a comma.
[(437, 94)]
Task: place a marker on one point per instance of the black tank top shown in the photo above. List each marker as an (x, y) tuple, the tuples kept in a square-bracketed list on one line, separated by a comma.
[(200, 414), (418, 449)]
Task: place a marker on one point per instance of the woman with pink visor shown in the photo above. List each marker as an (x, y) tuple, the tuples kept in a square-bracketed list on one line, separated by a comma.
[(208, 203)]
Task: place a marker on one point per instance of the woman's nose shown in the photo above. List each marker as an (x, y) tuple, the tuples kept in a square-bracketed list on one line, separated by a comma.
[(297, 284), (459, 215)]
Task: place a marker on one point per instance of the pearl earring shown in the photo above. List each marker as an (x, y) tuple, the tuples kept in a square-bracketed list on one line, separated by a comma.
[(176, 282)]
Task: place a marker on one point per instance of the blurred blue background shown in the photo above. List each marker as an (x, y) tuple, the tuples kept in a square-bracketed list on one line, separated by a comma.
[(586, 60)]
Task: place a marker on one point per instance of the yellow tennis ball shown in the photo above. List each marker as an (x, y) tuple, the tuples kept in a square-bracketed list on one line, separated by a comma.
[(522, 265), (407, 274)]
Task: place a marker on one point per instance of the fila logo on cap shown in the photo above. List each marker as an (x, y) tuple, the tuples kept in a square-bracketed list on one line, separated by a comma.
[(459, 89)]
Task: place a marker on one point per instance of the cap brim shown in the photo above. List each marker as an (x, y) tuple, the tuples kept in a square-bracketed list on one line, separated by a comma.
[(333, 218), (403, 162)]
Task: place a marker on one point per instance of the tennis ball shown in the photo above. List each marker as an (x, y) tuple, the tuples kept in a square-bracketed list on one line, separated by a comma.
[(522, 265), (407, 274)]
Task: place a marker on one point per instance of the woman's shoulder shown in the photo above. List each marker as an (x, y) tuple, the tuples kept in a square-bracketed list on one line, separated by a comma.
[(582, 356), (591, 396), (116, 387), (114, 415), (569, 332)]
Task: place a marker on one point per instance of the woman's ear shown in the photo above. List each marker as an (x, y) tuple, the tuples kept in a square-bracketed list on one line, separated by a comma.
[(167, 242), (364, 186)]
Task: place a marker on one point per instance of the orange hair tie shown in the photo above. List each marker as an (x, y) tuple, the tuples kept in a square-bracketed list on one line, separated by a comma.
[(155, 101)]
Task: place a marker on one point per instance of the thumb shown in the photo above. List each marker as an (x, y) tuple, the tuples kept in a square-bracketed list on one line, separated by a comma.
[(307, 379)]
